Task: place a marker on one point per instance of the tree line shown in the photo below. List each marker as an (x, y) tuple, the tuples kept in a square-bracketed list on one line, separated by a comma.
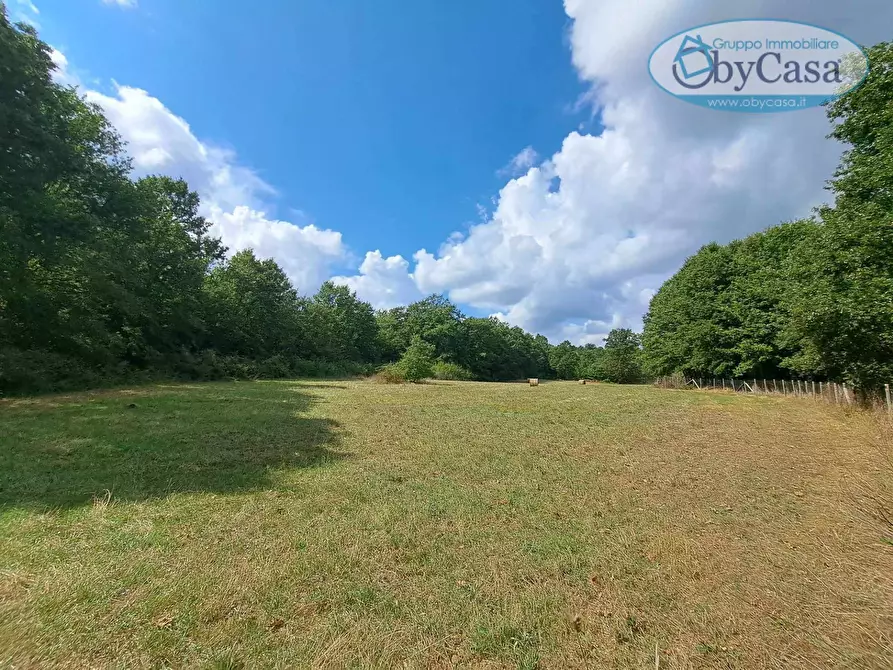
[(809, 299), (107, 279)]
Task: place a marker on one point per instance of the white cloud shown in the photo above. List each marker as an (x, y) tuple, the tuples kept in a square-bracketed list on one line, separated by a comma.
[(576, 244), (304, 253), (383, 282), (127, 4), (63, 73), (232, 195), (522, 162), (161, 142), (579, 243)]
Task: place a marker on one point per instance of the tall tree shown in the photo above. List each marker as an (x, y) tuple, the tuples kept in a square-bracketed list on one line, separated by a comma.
[(343, 328), (621, 359), (842, 297), (252, 308)]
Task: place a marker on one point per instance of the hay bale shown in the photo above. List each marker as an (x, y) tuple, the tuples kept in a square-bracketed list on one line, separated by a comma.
[(534, 382)]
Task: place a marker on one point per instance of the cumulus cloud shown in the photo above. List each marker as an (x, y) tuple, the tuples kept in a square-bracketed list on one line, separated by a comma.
[(233, 196), (383, 282), (161, 142), (304, 253), (63, 73), (579, 243), (576, 243)]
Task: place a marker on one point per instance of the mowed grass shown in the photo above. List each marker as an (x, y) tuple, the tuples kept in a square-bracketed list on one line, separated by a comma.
[(349, 524)]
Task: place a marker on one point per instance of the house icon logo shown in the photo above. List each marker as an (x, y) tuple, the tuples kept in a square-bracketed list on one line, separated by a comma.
[(757, 65), (693, 58)]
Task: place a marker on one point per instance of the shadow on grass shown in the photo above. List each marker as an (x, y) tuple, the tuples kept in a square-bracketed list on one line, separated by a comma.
[(318, 385), (65, 451)]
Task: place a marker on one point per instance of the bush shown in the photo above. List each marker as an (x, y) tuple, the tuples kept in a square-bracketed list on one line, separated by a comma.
[(389, 374), (329, 369), (450, 371), (418, 361), (34, 371), (45, 371)]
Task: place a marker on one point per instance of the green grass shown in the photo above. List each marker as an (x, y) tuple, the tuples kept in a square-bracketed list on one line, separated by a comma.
[(350, 524)]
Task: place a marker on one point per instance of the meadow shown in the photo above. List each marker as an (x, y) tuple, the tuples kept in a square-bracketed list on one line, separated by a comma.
[(351, 524)]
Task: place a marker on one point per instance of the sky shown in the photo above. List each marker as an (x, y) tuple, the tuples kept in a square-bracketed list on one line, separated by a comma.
[(515, 156)]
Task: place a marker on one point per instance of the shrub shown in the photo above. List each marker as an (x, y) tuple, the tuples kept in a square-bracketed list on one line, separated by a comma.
[(389, 374), (328, 369), (45, 371), (450, 371), (417, 361), (275, 367)]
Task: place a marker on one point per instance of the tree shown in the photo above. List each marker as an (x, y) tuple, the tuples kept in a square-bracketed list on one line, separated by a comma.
[(842, 288), (565, 361), (417, 361), (620, 362), (252, 308), (494, 351), (341, 327), (725, 311), (591, 362), (62, 178)]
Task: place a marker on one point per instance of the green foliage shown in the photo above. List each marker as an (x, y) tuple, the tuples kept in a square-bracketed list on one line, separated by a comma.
[(842, 283), (435, 320), (621, 361), (417, 362), (391, 373), (565, 361), (106, 279), (251, 307), (725, 312), (812, 298), (450, 372), (494, 351), (339, 326)]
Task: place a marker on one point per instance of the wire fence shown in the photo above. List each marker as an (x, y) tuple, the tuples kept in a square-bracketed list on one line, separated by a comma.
[(831, 392)]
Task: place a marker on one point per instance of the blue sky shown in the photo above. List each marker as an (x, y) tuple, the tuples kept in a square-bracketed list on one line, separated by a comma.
[(359, 141), (387, 121)]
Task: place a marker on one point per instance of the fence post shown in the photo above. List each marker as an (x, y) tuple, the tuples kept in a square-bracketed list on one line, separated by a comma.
[(889, 404), (821, 390), (784, 387), (813, 389), (754, 389), (836, 399), (846, 394), (723, 383)]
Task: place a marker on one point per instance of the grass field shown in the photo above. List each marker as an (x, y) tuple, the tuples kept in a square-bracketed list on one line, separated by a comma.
[(350, 524)]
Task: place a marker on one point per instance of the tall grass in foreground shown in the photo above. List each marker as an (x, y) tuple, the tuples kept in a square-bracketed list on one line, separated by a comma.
[(447, 524)]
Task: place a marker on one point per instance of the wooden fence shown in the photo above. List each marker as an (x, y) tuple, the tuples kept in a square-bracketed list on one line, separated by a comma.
[(832, 392)]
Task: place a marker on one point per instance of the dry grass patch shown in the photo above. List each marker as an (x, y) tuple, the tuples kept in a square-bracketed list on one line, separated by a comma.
[(353, 524)]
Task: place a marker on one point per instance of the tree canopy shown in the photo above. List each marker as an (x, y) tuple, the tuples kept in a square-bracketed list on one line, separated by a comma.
[(811, 298)]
